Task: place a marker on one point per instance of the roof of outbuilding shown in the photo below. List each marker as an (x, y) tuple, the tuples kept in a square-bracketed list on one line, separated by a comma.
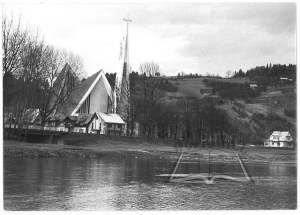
[(111, 118), (82, 119)]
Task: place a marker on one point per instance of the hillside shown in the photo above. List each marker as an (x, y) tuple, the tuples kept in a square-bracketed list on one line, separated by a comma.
[(255, 117)]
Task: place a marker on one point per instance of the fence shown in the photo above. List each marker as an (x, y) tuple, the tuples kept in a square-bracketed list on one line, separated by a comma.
[(37, 127)]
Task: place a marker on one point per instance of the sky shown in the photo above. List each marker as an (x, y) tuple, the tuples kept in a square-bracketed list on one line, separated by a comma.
[(202, 38)]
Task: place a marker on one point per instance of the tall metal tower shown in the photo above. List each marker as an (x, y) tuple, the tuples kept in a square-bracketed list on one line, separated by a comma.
[(122, 83)]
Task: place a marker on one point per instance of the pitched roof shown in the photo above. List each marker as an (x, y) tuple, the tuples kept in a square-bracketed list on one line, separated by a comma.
[(78, 95), (111, 118), (31, 114), (282, 135), (100, 76), (82, 119), (59, 83), (58, 117)]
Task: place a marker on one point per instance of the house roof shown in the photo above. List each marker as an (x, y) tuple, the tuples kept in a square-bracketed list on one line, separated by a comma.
[(72, 118), (31, 114), (111, 118), (282, 135), (58, 117), (59, 83), (82, 119)]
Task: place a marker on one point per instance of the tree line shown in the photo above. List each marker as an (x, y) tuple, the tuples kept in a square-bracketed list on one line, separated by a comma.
[(233, 90), (270, 74), (197, 121)]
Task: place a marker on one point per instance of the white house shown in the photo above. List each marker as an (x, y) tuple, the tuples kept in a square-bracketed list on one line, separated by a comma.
[(280, 139), (111, 124)]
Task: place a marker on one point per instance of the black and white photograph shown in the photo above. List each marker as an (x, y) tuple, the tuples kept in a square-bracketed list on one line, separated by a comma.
[(149, 106)]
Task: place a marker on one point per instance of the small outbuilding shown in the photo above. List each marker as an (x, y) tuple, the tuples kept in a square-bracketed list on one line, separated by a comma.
[(83, 123)]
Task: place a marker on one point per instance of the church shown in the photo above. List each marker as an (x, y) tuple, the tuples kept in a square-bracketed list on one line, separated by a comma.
[(87, 106)]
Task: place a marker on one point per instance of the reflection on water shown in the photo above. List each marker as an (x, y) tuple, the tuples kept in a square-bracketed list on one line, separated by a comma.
[(132, 184)]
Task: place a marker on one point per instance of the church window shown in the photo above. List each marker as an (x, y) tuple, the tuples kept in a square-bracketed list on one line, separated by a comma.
[(85, 107)]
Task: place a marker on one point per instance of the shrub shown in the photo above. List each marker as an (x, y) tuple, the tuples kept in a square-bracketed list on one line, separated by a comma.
[(291, 112), (168, 87), (241, 113), (248, 100), (233, 90)]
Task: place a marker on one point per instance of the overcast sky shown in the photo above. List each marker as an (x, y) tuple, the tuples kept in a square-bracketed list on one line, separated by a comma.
[(189, 37)]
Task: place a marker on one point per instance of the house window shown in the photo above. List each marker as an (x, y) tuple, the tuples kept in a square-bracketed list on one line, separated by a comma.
[(120, 126), (92, 125)]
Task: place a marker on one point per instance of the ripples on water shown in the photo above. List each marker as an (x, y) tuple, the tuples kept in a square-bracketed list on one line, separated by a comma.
[(132, 184)]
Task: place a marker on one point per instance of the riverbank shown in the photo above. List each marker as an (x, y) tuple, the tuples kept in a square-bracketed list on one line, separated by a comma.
[(146, 150)]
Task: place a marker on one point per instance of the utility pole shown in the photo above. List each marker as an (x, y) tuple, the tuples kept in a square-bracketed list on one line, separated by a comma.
[(201, 133)]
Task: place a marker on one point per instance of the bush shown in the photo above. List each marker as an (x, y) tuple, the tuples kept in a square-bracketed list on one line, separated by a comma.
[(248, 100), (241, 113), (291, 112), (168, 87), (233, 90)]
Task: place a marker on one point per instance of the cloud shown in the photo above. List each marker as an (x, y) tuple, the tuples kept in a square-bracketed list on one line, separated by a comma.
[(193, 37)]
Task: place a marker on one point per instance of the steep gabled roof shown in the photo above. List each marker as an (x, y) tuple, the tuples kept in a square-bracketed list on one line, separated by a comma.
[(82, 119), (88, 88), (60, 85), (78, 95)]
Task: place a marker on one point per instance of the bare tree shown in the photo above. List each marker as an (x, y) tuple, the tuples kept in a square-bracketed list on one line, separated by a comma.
[(13, 41), (44, 64), (228, 74), (151, 94), (75, 61)]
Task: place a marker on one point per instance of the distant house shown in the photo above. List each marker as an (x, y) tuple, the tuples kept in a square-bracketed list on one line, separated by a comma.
[(280, 139), (253, 85)]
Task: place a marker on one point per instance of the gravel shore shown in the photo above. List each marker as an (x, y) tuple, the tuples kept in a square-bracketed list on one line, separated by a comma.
[(146, 150)]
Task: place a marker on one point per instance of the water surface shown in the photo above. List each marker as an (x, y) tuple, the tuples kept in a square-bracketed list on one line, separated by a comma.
[(117, 183)]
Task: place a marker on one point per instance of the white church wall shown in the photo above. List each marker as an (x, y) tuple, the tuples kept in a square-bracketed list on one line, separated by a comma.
[(98, 102)]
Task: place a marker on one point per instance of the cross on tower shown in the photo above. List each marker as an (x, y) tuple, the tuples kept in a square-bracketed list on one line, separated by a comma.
[(127, 20)]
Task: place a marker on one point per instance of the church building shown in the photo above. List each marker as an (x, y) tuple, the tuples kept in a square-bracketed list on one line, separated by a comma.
[(87, 104)]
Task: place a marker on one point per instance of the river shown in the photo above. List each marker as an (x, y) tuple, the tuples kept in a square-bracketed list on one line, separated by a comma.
[(115, 183)]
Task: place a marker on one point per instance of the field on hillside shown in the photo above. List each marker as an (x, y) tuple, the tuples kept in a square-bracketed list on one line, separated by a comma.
[(192, 86)]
